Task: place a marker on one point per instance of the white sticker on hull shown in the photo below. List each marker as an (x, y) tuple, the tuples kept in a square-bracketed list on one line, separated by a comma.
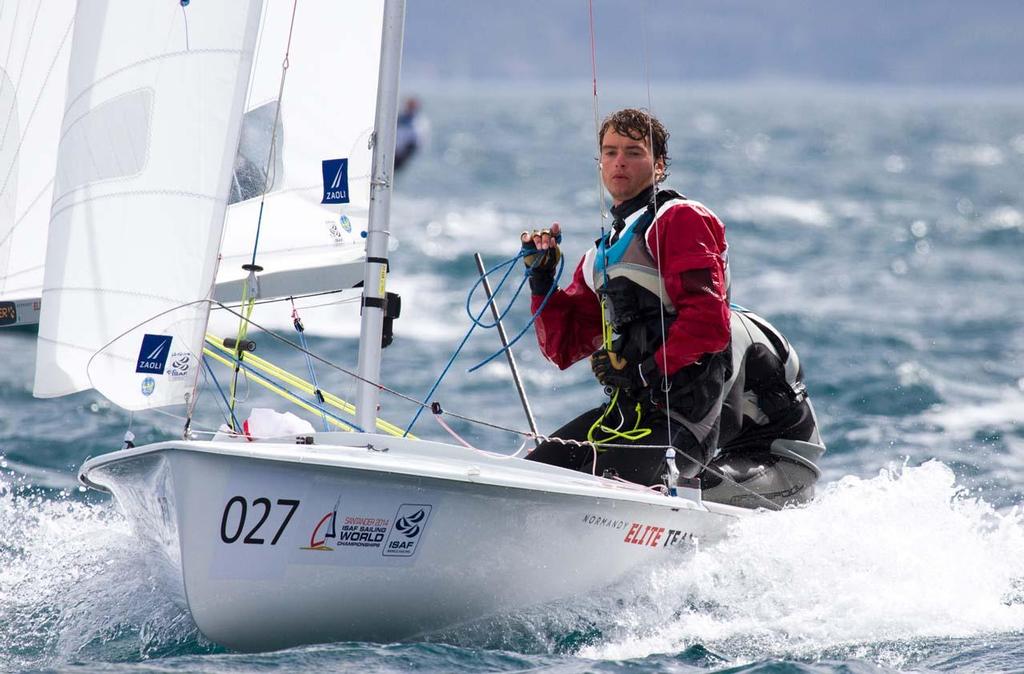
[(265, 524), (642, 533), (368, 527), (410, 522)]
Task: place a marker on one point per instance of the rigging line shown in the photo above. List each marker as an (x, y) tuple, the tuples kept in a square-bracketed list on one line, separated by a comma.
[(250, 288), (301, 329), (289, 298), (269, 369), (184, 16), (233, 421), (286, 393), (273, 133), (597, 123), (382, 387), (321, 359), (654, 223)]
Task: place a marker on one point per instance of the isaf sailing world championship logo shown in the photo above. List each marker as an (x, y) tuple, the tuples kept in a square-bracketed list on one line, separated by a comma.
[(395, 537)]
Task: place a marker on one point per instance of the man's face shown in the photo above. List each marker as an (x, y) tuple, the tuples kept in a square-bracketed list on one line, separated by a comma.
[(627, 166)]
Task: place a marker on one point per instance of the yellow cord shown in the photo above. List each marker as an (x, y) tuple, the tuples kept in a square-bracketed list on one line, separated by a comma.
[(636, 433), (279, 391), (296, 382), (243, 331)]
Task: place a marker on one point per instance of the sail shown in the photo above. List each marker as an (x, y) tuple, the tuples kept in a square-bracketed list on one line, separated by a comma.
[(36, 44), (317, 202), (155, 98)]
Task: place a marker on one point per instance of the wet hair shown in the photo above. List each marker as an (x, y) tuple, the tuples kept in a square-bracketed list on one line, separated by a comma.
[(639, 125)]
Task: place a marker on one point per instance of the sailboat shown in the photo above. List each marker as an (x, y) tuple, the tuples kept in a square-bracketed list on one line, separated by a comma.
[(302, 537)]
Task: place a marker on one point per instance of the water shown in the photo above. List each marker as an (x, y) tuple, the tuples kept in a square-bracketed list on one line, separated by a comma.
[(880, 230)]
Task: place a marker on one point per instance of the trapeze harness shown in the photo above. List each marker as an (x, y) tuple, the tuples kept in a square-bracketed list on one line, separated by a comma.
[(623, 274)]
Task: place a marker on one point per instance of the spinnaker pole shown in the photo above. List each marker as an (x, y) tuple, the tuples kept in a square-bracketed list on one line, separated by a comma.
[(509, 356), (375, 278)]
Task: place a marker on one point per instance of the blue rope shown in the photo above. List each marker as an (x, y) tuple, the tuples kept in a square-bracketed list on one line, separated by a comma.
[(259, 224), (533, 317), (476, 322), (223, 397), (297, 322)]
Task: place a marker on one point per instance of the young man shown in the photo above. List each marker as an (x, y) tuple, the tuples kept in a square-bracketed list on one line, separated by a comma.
[(679, 367), (649, 305)]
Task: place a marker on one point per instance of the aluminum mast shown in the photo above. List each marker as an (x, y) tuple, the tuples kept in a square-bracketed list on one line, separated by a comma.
[(374, 281)]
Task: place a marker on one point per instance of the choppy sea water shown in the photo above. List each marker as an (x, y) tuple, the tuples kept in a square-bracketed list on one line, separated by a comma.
[(882, 231)]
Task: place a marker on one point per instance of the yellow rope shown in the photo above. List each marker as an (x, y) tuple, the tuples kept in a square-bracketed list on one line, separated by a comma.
[(279, 391), (636, 433), (296, 382), (249, 303)]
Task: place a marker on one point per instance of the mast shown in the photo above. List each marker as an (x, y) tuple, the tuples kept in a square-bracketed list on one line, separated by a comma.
[(375, 278)]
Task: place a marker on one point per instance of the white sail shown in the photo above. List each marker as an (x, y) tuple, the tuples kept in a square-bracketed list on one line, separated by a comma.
[(35, 45), (155, 98), (326, 115)]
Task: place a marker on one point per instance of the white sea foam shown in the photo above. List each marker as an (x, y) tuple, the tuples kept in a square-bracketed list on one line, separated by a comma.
[(772, 208), (72, 579), (1005, 412), (903, 556)]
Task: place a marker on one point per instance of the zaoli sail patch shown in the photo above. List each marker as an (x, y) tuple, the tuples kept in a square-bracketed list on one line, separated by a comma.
[(335, 181)]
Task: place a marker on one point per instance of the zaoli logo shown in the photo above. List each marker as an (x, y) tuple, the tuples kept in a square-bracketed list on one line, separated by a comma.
[(153, 354), (405, 535), (335, 173)]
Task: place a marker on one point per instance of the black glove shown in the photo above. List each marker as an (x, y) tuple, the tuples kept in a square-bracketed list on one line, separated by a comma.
[(541, 264), (613, 370)]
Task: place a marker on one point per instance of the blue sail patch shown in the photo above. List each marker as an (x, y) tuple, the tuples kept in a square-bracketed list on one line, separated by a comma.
[(335, 181), (153, 354)]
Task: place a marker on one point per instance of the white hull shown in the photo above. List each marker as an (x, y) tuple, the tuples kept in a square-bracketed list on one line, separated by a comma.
[(424, 535)]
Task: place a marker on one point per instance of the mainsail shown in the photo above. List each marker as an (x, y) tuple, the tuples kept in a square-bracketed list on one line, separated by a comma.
[(309, 238), (36, 45), (155, 97)]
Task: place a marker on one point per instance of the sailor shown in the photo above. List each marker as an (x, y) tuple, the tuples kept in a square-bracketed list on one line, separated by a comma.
[(406, 132), (648, 303), (768, 434)]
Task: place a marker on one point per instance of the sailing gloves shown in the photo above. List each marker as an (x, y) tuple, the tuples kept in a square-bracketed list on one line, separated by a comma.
[(614, 371), (541, 255)]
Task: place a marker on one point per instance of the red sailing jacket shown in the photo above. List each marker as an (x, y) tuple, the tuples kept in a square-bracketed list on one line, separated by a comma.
[(687, 240)]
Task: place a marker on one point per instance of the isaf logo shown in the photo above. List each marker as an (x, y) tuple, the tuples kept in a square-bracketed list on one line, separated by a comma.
[(410, 521), (181, 363), (410, 526), (153, 354)]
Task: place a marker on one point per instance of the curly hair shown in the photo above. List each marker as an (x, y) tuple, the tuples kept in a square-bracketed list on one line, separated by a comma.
[(639, 125)]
